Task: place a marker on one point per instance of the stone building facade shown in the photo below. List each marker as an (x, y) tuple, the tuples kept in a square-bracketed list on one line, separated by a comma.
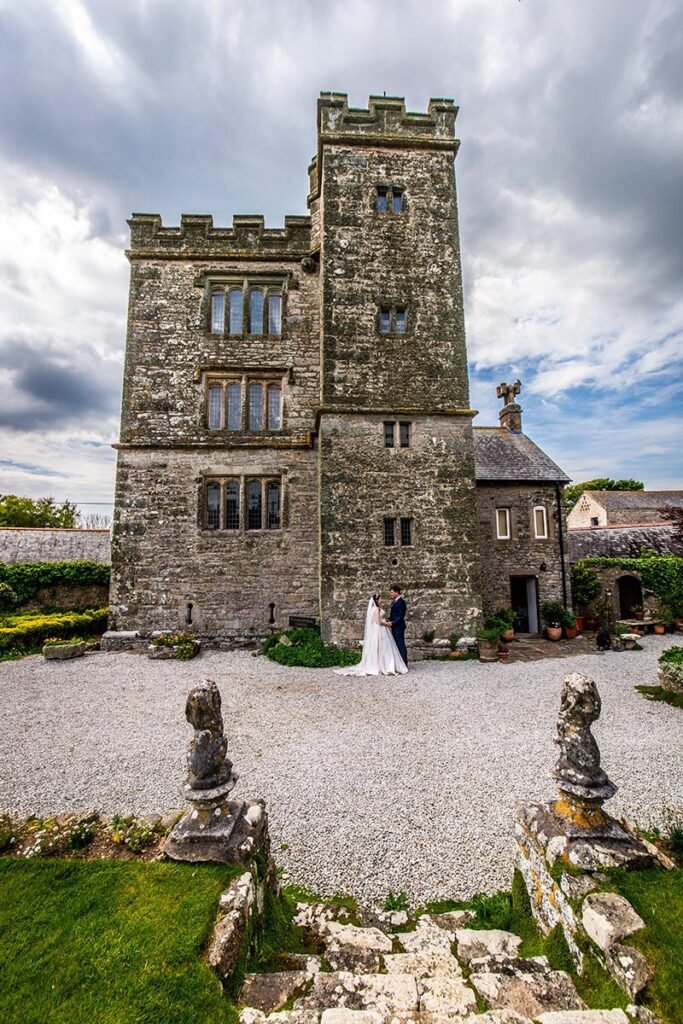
[(622, 508), (296, 429)]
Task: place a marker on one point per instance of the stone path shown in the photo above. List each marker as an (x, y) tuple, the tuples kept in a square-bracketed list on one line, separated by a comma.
[(440, 972)]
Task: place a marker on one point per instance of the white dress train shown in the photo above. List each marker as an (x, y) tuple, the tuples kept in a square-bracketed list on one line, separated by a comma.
[(380, 653)]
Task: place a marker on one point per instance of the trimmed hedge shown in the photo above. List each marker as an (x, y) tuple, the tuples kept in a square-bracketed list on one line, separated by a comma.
[(31, 630), (27, 578)]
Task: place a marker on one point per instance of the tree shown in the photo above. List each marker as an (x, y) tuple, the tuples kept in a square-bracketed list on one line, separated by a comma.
[(16, 511), (604, 483)]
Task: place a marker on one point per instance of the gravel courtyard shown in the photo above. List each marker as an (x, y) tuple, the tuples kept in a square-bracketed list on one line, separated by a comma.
[(372, 784)]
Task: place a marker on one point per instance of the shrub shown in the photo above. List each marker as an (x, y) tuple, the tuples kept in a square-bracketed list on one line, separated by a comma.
[(56, 641), (304, 647), (32, 630), (183, 642), (672, 656), (7, 597), (132, 832), (27, 578), (506, 615), (568, 618), (585, 584), (553, 613), (489, 633)]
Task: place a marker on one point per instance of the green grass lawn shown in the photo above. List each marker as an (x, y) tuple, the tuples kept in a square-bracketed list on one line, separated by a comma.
[(109, 942), (659, 693)]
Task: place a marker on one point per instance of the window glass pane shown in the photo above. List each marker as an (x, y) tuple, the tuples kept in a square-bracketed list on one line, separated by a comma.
[(503, 523), (406, 532), (401, 320), (404, 434), (388, 435), (213, 512), (256, 407), (274, 407), (254, 505), (232, 506), (234, 406), (256, 312), (274, 313), (273, 505), (384, 321), (397, 201), (540, 522), (236, 306), (217, 311), (381, 200), (389, 533), (215, 402)]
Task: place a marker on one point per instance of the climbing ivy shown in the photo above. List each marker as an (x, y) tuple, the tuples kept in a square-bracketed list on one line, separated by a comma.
[(662, 574)]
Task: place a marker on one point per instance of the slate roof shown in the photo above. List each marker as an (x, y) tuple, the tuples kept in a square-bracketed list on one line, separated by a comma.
[(620, 541), (636, 499), (504, 455)]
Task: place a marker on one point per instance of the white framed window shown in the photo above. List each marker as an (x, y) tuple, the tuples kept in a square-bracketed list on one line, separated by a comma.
[(540, 522), (503, 524)]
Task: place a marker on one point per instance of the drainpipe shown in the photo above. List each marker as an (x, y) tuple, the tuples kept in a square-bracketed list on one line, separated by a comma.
[(558, 498)]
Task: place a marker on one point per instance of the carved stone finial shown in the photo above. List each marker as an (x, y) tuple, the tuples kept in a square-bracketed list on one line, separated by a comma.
[(207, 762), (510, 415), (578, 768)]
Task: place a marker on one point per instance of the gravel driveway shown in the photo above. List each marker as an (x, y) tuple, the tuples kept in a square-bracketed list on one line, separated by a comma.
[(372, 784)]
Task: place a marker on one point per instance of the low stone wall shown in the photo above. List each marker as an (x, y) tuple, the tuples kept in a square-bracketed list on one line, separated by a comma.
[(68, 598), (23, 544)]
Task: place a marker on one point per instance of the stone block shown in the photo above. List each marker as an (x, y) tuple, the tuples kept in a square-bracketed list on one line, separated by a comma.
[(236, 911), (386, 994), (629, 968), (64, 652), (473, 944), (343, 1016), (445, 997), (583, 1017), (268, 992), (423, 965), (528, 986), (608, 917), (426, 938)]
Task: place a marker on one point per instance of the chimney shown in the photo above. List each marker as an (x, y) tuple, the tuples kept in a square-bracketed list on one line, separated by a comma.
[(510, 415)]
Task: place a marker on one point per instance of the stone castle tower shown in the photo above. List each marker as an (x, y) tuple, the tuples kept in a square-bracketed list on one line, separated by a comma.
[(296, 430)]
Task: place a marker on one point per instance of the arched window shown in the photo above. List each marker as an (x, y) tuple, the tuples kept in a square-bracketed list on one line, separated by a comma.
[(236, 301), (274, 313), (256, 407), (213, 510), (273, 499), (232, 505), (234, 406), (274, 407), (254, 505), (217, 312), (256, 311), (215, 402)]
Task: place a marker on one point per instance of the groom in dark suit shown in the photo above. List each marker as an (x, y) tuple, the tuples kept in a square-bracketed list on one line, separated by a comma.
[(397, 619)]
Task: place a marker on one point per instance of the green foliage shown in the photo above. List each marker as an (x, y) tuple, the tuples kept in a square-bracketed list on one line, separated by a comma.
[(672, 656), (183, 642), (9, 833), (552, 613), (490, 633), (585, 584), (26, 632), (492, 911), (506, 615), (604, 483), (8, 598), (120, 942), (660, 693), (395, 901), (132, 832), (27, 578), (304, 647), (568, 618), (557, 951), (662, 574), (57, 641), (16, 511), (453, 641)]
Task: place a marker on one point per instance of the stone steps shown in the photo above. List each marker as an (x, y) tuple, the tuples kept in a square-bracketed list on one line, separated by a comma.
[(437, 973)]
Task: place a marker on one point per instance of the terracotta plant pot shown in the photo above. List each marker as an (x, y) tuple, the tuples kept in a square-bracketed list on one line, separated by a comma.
[(553, 632), (580, 623), (639, 616), (660, 630), (570, 632), (591, 625), (503, 655), (488, 650), (508, 635)]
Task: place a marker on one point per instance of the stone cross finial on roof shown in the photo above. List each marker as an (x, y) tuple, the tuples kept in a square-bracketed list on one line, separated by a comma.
[(508, 392), (510, 415)]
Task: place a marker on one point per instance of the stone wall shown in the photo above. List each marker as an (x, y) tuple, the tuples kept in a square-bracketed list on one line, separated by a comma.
[(53, 545), (523, 554)]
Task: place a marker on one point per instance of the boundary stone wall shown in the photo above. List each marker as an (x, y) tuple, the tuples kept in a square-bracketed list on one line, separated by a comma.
[(28, 544)]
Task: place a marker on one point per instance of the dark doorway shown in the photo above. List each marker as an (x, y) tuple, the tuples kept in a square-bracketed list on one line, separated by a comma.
[(630, 594), (524, 599)]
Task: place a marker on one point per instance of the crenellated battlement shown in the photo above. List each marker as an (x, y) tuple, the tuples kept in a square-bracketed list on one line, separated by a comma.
[(386, 119), (196, 237)]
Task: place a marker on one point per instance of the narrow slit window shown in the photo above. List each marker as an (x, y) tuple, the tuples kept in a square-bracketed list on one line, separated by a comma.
[(540, 523), (384, 321), (274, 407), (234, 406), (256, 406), (274, 313), (389, 533), (232, 505), (273, 501), (503, 523), (256, 311), (404, 435), (406, 532), (254, 503), (215, 403), (397, 200), (382, 200), (388, 435), (236, 300), (213, 506), (401, 321), (217, 312)]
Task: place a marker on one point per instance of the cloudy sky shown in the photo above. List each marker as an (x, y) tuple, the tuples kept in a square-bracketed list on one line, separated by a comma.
[(570, 181)]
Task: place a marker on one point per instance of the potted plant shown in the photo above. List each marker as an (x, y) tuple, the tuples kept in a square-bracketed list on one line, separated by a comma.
[(637, 612), (488, 640), (59, 649), (569, 623), (553, 613), (506, 616)]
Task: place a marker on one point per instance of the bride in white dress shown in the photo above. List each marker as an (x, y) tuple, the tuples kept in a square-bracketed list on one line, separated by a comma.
[(380, 653)]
